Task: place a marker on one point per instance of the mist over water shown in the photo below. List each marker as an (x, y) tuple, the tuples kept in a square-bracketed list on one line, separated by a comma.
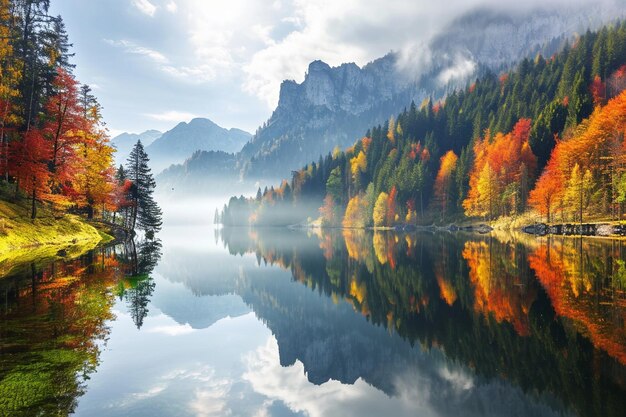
[(189, 210)]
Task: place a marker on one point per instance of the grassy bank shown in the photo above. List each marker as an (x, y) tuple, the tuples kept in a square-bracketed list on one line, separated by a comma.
[(24, 240)]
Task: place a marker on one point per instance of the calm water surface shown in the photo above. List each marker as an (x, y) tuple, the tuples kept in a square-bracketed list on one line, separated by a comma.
[(273, 322)]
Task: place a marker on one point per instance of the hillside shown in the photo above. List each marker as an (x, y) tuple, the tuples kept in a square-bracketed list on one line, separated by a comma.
[(179, 143), (124, 143), (479, 153), (25, 240), (214, 169), (334, 106)]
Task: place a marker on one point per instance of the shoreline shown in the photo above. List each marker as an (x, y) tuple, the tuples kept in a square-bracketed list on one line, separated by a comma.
[(606, 229), (23, 240)]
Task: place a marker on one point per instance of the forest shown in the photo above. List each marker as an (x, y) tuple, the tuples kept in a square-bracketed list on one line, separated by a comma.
[(546, 138), (55, 150)]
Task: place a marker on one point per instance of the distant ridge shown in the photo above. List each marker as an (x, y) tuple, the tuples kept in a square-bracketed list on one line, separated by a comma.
[(200, 134)]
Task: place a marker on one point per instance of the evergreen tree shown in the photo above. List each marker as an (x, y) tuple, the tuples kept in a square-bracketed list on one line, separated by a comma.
[(146, 213)]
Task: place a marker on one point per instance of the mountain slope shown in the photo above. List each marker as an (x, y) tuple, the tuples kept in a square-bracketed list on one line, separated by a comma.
[(199, 134), (479, 153), (125, 142), (334, 106)]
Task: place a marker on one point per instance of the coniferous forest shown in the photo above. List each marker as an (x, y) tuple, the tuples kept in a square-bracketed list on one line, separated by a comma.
[(546, 138)]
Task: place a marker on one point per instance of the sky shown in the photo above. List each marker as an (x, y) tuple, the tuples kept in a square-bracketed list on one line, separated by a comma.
[(154, 63)]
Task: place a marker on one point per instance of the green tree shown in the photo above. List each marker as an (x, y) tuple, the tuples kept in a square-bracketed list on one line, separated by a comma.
[(146, 213)]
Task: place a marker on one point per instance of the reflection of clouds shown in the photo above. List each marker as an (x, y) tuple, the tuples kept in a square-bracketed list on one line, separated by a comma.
[(210, 393), (171, 330), (151, 392), (458, 379), (211, 400), (426, 391), (290, 386)]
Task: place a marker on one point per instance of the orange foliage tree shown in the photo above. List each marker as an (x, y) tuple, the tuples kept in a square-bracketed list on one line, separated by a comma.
[(443, 181), (502, 166), (597, 146)]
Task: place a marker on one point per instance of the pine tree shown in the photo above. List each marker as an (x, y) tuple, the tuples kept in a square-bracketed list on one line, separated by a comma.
[(146, 213)]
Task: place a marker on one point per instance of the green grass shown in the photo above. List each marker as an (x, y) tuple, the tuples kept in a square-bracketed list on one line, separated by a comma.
[(23, 239)]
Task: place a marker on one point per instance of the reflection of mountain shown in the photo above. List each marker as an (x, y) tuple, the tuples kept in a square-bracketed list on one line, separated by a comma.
[(333, 342), (202, 272), (199, 312), (482, 307)]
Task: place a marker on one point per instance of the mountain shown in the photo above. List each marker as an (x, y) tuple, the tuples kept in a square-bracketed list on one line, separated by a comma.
[(125, 142), (330, 108), (199, 134), (204, 168), (493, 138), (334, 106)]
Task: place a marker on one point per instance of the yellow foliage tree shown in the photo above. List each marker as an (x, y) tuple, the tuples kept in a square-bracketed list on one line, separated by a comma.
[(488, 191), (356, 212), (380, 209), (358, 164), (391, 132), (442, 181)]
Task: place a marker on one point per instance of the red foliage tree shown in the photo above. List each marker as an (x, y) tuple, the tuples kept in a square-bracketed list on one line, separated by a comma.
[(28, 164)]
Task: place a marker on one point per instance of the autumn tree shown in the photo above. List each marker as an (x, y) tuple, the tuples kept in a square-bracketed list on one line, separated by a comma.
[(444, 183), (63, 126), (380, 210), (499, 163), (10, 77), (544, 196), (29, 166), (356, 212)]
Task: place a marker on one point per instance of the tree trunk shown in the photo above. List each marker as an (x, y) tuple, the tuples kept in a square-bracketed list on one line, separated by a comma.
[(33, 212)]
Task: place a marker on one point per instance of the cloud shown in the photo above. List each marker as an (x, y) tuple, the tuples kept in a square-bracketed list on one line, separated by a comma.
[(171, 7), (145, 7), (461, 69), (171, 330), (193, 74), (171, 116), (132, 48)]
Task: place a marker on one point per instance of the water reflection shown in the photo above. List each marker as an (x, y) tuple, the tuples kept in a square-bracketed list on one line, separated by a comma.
[(546, 316), (294, 323), (54, 320)]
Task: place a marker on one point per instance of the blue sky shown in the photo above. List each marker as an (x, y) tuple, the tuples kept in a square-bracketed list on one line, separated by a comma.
[(153, 63)]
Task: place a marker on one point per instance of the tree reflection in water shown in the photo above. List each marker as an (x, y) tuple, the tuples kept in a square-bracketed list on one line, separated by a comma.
[(546, 315), (53, 323)]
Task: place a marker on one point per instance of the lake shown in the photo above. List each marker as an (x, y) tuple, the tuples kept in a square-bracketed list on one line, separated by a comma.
[(279, 322)]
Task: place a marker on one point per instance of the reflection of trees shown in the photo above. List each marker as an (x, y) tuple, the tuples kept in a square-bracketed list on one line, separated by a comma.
[(141, 259), (476, 299), (52, 321), (584, 279), (500, 276)]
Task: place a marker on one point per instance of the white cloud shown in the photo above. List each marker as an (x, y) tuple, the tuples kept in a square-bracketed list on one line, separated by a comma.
[(133, 48), (171, 7), (145, 7), (171, 330), (462, 68), (171, 116), (193, 74)]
